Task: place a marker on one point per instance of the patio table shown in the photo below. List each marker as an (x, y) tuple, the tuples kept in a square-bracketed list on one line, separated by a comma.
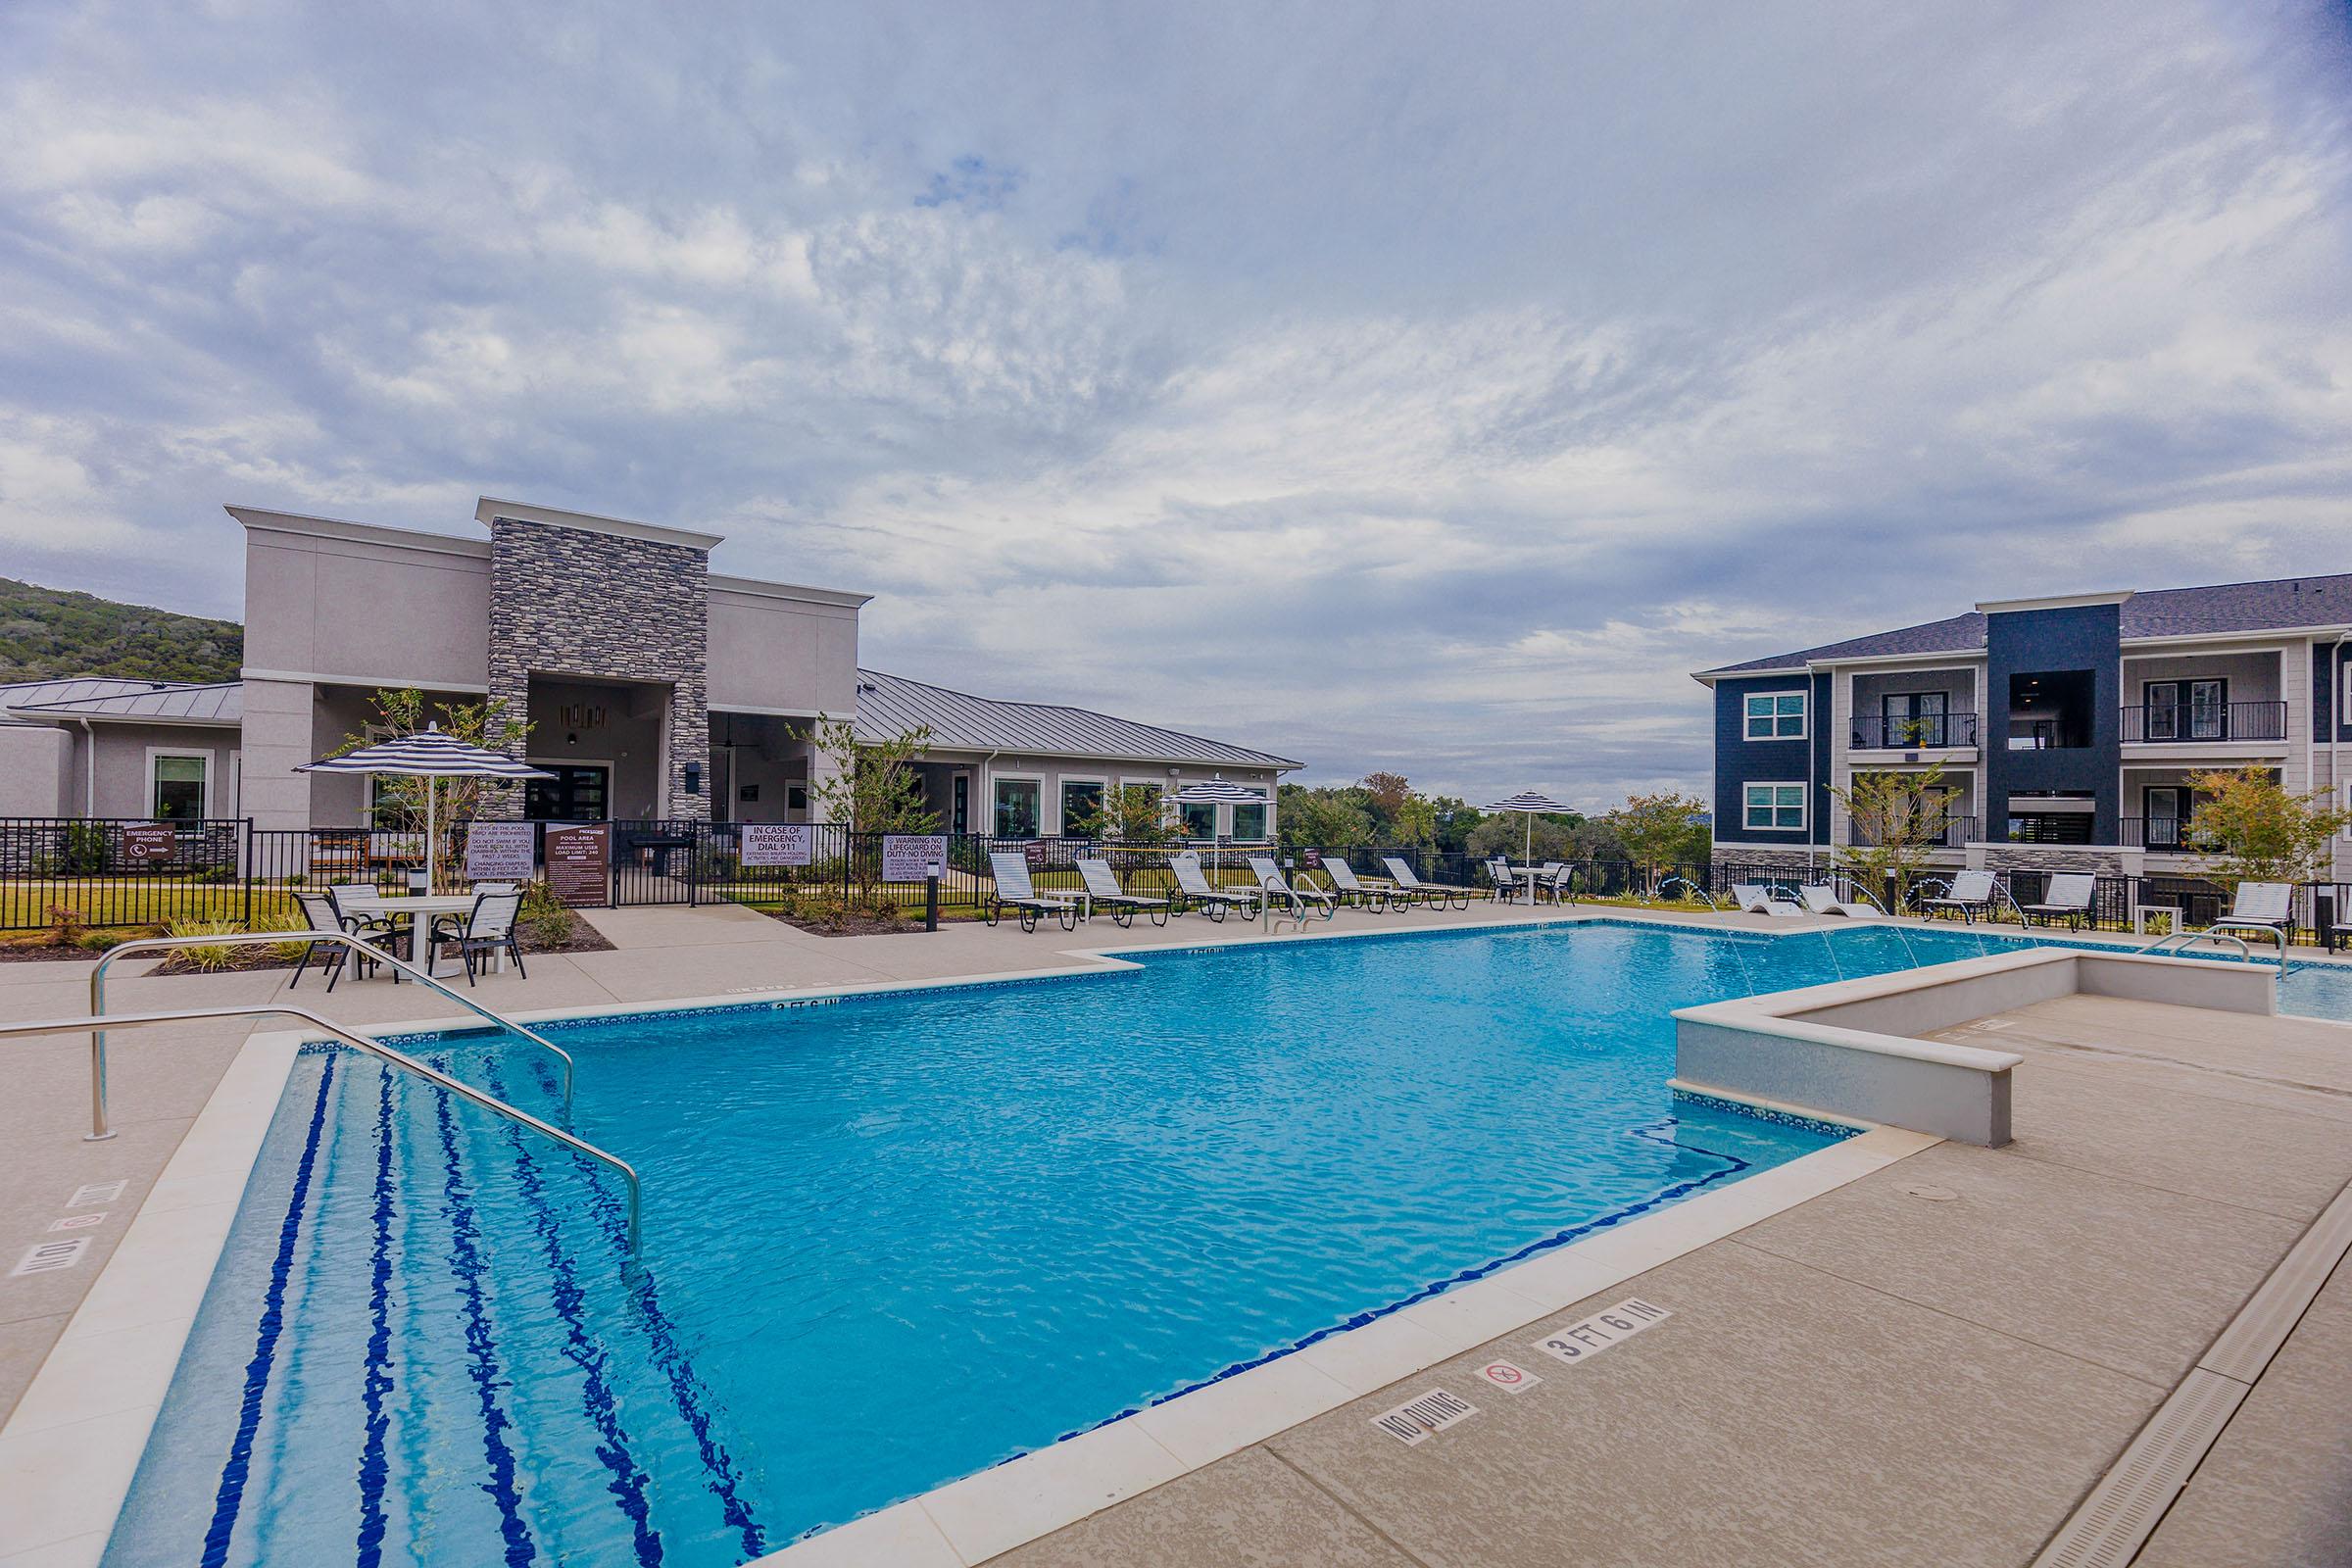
[(417, 908)]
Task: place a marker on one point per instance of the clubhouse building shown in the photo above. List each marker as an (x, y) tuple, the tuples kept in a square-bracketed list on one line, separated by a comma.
[(655, 689)]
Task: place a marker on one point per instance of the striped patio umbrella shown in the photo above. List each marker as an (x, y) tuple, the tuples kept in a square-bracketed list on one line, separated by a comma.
[(1531, 803), (1218, 791), (430, 754)]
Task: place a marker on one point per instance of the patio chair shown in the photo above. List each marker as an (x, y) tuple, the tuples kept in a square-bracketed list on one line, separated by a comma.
[(1507, 886), (1754, 897), (1015, 892), (1558, 882), (489, 928), (1352, 889), (1970, 895), (1437, 894), (2067, 898), (1102, 888), (319, 913), (1821, 898), (1193, 884), (2264, 907), (381, 929), (1307, 901)]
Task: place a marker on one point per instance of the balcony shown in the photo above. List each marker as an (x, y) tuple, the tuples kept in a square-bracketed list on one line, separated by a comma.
[(2166, 835), (2197, 724), (1918, 732), (1951, 833)]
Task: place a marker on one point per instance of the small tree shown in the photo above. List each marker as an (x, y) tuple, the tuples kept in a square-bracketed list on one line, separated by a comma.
[(1659, 831), (872, 786), (1132, 816), (400, 803), (1897, 819), (2248, 828)]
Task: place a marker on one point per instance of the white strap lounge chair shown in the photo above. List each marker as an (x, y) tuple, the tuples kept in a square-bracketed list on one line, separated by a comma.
[(1436, 894), (1754, 897), (1822, 899), (1305, 899), (1015, 892), (1193, 883), (1102, 888), (2265, 907), (2067, 898), (1971, 894), (1351, 888)]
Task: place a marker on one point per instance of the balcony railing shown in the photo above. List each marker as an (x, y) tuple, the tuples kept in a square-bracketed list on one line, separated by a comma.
[(1897, 732), (2194, 723), (2164, 834), (1950, 834)]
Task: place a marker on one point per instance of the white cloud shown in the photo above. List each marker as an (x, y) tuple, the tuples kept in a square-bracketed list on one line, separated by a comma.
[(1429, 397)]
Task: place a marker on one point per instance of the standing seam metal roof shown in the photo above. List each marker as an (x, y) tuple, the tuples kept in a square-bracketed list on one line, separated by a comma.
[(891, 704), (219, 703)]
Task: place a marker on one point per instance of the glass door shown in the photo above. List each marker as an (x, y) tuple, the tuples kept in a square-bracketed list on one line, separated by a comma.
[(578, 792), (2208, 710), (2167, 805), (2160, 710)]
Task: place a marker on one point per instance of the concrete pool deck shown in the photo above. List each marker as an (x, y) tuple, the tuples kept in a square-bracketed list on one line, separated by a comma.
[(1875, 1374)]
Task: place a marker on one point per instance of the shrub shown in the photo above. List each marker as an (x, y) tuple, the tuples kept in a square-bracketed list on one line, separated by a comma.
[(69, 927), (828, 910), (545, 917), (209, 959)]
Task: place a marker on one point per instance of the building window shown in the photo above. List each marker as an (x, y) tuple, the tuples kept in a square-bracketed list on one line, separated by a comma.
[(1081, 805), (1774, 808), (1199, 821), (177, 786), (1016, 807), (1776, 717), (1249, 821)]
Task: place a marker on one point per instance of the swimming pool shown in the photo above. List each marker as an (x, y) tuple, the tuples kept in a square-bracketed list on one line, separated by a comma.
[(894, 1240)]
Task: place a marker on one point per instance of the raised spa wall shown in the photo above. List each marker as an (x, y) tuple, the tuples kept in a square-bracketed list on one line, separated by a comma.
[(1856, 1047)]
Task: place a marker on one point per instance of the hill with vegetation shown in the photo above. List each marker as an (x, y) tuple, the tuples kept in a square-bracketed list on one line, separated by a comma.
[(50, 631)]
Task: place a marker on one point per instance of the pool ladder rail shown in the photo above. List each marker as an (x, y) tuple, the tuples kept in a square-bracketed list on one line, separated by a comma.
[(358, 1042), (2182, 941), (359, 947)]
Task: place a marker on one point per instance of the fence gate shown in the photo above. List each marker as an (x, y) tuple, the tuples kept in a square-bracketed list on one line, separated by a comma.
[(658, 863)]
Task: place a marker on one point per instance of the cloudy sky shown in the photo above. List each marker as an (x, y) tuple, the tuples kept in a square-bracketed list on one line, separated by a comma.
[(1426, 388)]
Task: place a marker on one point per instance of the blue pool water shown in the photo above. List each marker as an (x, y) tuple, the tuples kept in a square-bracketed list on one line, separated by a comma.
[(895, 1239)]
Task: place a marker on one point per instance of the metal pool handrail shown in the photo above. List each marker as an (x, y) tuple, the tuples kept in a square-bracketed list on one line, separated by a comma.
[(359, 946), (373, 1048)]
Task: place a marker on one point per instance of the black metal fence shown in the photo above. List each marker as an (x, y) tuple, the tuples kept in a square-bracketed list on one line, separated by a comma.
[(115, 873)]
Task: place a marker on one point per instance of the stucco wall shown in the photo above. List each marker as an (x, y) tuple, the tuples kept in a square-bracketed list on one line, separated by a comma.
[(374, 606), (770, 653), (37, 772), (123, 766)]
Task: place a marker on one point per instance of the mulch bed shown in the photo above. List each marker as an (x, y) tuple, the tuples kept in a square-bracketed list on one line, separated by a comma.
[(859, 925)]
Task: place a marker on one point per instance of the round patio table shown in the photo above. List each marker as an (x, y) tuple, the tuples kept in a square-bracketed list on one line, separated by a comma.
[(417, 908)]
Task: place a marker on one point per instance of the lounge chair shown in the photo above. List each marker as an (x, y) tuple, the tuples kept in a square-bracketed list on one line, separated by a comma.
[(1349, 889), (1822, 899), (1437, 894), (1307, 901), (2265, 907), (1015, 892), (1754, 897), (1193, 884), (1970, 894), (1102, 888), (2067, 898)]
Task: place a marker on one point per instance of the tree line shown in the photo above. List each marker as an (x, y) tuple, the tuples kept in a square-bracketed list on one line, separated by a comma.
[(1384, 811)]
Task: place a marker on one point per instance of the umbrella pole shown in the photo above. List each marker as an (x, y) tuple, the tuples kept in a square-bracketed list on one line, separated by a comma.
[(1527, 852), (432, 842)]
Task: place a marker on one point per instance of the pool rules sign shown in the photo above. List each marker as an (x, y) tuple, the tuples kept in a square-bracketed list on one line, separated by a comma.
[(579, 862)]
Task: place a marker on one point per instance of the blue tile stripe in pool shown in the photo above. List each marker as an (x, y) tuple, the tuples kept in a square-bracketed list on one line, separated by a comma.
[(377, 1379), (230, 1498)]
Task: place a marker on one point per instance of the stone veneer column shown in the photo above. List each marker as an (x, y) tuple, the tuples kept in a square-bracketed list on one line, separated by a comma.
[(592, 606)]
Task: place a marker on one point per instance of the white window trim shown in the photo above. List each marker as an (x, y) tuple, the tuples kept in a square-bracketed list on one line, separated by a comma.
[(1804, 803), (1226, 812), (1804, 715), (204, 809), (1061, 801), (995, 779)]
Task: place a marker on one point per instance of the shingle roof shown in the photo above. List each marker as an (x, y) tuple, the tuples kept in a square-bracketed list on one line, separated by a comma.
[(2280, 605), (215, 703), (889, 704)]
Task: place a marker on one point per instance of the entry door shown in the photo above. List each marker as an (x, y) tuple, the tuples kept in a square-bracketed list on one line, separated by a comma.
[(2162, 710), (1914, 718), (578, 792), (959, 804), (2167, 805), (2208, 710)]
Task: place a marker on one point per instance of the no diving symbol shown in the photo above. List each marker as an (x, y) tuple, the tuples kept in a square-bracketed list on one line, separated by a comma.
[(1510, 1378)]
